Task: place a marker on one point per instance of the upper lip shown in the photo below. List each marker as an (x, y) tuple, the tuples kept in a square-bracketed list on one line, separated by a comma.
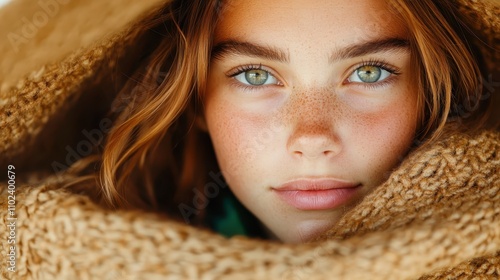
[(315, 185)]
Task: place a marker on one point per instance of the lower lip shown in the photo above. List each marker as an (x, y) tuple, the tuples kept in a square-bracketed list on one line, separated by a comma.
[(317, 199)]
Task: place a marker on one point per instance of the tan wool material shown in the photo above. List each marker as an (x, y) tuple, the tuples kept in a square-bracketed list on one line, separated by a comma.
[(436, 217)]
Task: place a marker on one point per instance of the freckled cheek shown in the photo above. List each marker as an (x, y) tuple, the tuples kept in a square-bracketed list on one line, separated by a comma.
[(233, 133), (382, 138)]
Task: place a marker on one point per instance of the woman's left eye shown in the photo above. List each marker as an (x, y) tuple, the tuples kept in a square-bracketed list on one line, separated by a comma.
[(256, 77), (369, 74)]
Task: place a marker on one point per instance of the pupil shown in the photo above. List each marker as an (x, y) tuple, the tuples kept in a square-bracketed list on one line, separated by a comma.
[(369, 74), (256, 77)]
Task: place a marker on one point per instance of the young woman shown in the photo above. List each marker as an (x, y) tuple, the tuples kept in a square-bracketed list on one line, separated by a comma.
[(356, 127), (307, 108)]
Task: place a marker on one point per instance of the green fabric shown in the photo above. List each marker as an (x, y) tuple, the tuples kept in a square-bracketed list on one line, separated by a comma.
[(228, 217), (229, 224)]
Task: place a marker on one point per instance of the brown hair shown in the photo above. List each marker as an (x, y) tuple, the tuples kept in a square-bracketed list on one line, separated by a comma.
[(449, 67), (155, 155)]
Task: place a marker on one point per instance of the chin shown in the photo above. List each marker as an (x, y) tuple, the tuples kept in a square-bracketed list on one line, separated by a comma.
[(304, 231)]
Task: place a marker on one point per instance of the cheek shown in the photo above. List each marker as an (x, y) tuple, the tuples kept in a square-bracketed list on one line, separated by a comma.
[(381, 139), (234, 135)]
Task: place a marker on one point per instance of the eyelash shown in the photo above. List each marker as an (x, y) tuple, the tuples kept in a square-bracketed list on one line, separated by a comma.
[(371, 62), (376, 63), (243, 68), (379, 63)]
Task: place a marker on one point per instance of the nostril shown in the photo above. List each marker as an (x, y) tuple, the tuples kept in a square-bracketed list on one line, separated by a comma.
[(298, 153), (314, 147), (309, 144), (328, 153)]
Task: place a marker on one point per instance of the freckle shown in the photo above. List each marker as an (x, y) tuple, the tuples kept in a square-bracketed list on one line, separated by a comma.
[(316, 110)]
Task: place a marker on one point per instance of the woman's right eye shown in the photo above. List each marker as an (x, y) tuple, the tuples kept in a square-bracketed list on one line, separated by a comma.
[(369, 74), (255, 77)]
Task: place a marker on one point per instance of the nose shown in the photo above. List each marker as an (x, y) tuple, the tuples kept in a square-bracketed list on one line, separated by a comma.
[(314, 128), (313, 141)]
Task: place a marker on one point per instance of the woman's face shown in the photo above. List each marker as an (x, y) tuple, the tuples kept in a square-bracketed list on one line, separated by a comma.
[(309, 105)]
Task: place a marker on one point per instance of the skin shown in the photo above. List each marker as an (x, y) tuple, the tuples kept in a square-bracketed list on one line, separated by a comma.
[(315, 118)]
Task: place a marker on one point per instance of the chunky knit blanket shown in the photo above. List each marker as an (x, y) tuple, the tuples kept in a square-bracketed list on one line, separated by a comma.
[(436, 217)]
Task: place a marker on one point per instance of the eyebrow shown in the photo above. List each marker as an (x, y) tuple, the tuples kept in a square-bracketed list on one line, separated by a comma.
[(368, 47), (235, 47)]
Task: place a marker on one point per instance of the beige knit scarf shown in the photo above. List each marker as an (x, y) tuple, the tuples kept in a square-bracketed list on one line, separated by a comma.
[(436, 217)]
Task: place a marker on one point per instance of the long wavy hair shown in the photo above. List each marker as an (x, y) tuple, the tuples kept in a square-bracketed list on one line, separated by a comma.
[(157, 153)]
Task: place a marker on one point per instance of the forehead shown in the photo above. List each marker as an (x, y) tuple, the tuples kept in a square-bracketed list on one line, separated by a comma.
[(333, 21)]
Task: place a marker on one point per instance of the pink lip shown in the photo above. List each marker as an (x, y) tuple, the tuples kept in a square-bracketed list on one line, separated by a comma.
[(317, 194)]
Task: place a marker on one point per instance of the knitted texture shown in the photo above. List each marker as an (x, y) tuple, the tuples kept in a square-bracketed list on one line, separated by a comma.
[(44, 87), (438, 215)]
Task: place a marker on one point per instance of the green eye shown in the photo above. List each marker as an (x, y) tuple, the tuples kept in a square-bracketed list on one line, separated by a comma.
[(369, 74), (256, 77)]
